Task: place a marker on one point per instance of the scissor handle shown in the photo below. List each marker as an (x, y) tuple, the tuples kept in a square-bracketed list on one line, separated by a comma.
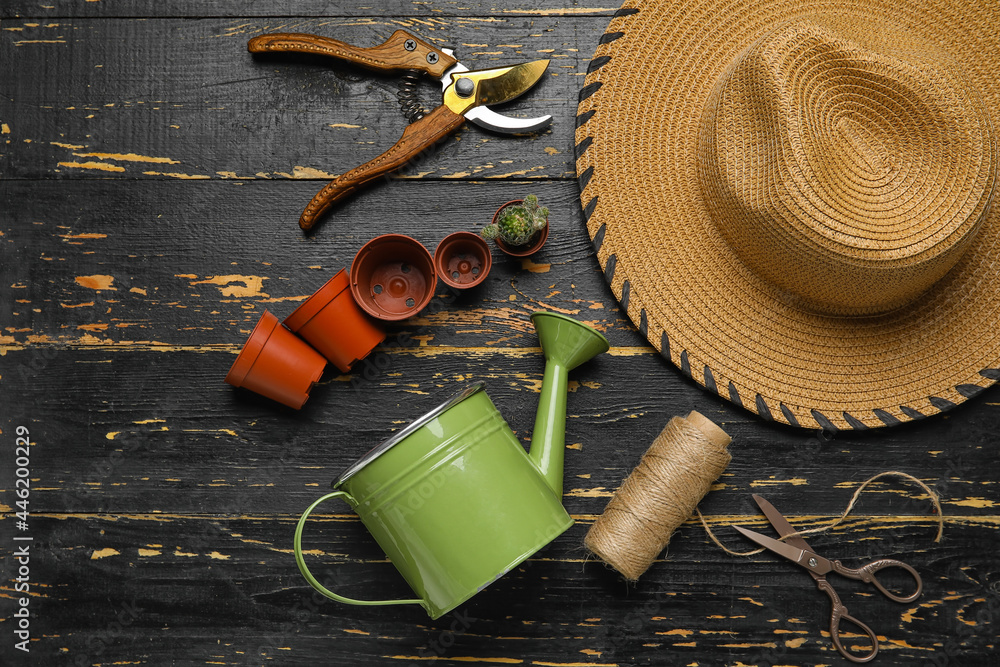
[(866, 573), (839, 613), (417, 137), (402, 51)]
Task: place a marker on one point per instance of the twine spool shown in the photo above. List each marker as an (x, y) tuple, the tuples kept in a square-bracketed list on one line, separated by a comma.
[(662, 492)]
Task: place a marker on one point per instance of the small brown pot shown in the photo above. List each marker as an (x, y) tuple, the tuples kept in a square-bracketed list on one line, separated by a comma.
[(463, 260), (532, 246), (276, 363), (393, 277), (331, 321)]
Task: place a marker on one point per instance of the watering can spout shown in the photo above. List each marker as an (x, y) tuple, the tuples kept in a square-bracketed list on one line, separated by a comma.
[(566, 343)]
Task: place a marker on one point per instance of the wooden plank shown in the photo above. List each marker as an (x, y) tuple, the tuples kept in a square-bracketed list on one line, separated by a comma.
[(162, 432), (427, 9), (226, 591), (154, 248), (189, 102)]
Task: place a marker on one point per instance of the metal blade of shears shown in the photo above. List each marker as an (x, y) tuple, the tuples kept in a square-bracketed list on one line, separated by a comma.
[(816, 564), (780, 523), (493, 86)]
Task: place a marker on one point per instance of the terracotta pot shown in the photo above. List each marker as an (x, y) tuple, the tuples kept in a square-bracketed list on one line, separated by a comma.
[(276, 363), (463, 259), (393, 277), (531, 247), (331, 321)]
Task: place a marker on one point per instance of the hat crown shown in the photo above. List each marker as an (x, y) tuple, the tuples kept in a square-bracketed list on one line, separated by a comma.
[(848, 165)]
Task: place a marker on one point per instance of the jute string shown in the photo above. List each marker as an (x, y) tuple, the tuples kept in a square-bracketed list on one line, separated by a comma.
[(664, 490), (661, 492), (836, 522)]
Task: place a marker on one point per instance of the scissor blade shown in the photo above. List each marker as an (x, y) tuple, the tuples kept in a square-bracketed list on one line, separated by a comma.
[(804, 557), (485, 117), (780, 523), (502, 84), (472, 89), (498, 122)]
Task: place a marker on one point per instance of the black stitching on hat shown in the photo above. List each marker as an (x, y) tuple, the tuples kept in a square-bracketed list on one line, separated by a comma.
[(583, 146), (584, 117), (599, 236), (685, 364), (626, 11), (886, 418), (823, 422), (941, 404), (585, 177), (609, 268), (788, 414), (990, 373), (968, 390), (665, 345), (762, 408), (854, 422), (589, 211), (609, 37), (734, 395), (626, 292), (589, 90), (710, 381), (643, 324), (911, 413), (597, 63)]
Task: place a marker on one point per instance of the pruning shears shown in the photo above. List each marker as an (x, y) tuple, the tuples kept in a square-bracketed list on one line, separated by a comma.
[(466, 94)]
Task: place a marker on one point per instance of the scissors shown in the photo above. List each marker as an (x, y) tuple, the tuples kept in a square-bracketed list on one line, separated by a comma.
[(465, 96), (799, 552)]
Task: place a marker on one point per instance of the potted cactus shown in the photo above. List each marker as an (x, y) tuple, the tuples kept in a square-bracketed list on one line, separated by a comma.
[(520, 227)]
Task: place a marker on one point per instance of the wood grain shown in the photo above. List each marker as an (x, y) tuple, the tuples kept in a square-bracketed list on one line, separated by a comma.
[(151, 172)]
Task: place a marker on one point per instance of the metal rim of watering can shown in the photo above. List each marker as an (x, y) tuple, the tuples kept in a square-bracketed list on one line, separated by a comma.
[(381, 448)]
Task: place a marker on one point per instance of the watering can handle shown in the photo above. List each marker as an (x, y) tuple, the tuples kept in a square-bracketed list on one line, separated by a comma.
[(300, 561)]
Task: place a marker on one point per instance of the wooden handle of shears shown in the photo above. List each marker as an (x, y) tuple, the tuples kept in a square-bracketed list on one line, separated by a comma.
[(390, 56), (416, 137)]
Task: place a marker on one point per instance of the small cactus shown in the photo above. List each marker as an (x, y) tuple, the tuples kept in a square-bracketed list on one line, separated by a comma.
[(517, 224)]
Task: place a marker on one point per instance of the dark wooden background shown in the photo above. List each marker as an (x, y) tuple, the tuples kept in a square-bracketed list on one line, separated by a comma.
[(152, 173)]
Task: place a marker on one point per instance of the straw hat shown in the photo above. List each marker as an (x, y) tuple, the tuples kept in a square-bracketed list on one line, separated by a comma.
[(792, 199)]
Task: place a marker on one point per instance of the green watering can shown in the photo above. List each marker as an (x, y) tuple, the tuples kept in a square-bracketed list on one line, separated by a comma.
[(453, 499)]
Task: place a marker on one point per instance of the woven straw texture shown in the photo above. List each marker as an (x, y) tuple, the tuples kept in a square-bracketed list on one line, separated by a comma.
[(793, 200)]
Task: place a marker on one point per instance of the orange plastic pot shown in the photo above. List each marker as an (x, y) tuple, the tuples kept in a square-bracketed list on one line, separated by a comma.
[(331, 321), (463, 260), (393, 277), (276, 363), (531, 247)]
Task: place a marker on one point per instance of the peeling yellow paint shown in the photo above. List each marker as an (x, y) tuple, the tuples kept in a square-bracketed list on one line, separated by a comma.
[(251, 285), (528, 265), (345, 125), (128, 157), (174, 174), (104, 553), (84, 236), (306, 173), (795, 481), (110, 435), (102, 166), (4, 128), (97, 281), (149, 552), (217, 556)]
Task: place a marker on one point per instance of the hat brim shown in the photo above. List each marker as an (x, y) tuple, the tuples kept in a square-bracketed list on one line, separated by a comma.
[(637, 140)]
